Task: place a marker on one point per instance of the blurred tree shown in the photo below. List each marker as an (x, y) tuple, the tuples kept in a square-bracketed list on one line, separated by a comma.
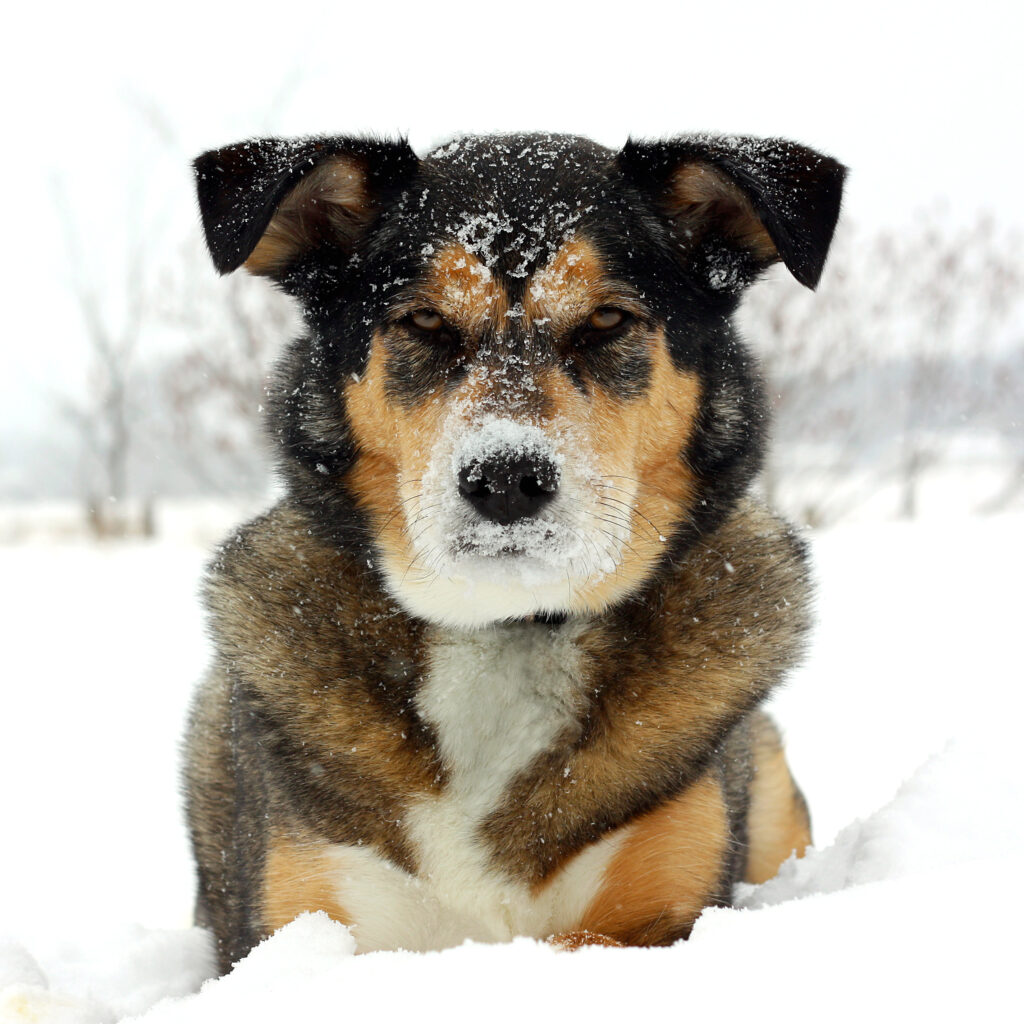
[(106, 417), (214, 383), (912, 345)]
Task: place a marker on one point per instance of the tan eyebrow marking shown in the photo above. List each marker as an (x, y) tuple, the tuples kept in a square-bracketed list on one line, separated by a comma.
[(460, 287), (568, 287)]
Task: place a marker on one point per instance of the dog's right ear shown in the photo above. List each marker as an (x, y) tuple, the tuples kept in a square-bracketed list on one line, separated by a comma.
[(736, 204), (267, 202)]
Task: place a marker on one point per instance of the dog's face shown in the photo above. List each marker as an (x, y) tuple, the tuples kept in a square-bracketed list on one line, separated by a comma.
[(519, 392)]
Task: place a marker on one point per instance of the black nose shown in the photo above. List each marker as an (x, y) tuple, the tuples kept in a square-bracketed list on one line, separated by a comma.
[(505, 489)]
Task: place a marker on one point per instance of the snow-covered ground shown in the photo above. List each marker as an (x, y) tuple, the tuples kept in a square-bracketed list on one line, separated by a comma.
[(902, 729)]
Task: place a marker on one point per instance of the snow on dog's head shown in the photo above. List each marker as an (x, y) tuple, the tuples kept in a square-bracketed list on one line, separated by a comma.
[(519, 391), (541, 473), (506, 478)]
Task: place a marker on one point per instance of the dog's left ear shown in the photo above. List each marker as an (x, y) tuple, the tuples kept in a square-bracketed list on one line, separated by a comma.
[(735, 205), (266, 203)]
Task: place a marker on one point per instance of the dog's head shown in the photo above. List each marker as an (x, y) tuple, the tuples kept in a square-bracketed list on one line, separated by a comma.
[(519, 391)]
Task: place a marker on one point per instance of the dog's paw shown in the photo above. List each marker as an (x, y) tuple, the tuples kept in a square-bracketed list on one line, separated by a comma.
[(577, 940)]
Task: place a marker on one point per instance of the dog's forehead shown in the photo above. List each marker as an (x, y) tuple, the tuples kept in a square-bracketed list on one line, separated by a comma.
[(515, 161), (511, 201)]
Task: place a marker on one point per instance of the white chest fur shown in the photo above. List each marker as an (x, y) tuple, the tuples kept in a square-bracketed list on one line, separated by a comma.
[(496, 698)]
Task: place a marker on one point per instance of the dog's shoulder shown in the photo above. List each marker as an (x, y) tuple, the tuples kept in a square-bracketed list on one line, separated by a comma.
[(277, 565), (741, 594), (752, 574), (271, 546), (292, 612)]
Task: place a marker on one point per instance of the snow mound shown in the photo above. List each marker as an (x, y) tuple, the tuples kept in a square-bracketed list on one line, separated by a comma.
[(103, 977), (900, 915), (952, 811)]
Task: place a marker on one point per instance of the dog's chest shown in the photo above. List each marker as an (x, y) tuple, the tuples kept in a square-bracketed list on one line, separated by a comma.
[(496, 699)]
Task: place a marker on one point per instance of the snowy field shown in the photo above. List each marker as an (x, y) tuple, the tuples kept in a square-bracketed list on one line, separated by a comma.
[(903, 730)]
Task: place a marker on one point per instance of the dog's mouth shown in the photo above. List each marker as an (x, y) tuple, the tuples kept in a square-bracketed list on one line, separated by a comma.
[(467, 549), (520, 540)]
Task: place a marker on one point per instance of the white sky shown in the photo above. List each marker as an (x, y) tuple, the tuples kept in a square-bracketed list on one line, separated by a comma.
[(923, 101)]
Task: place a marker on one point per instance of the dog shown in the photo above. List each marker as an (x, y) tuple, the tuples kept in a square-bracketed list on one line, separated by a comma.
[(494, 664)]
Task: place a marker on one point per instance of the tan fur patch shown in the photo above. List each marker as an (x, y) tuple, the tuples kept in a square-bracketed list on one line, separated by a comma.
[(571, 941), (666, 871), (461, 289), (298, 878), (643, 440), (777, 822), (701, 194), (640, 478), (331, 199), (394, 448), (568, 288)]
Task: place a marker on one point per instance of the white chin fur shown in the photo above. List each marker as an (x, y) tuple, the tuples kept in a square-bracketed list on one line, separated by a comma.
[(467, 603)]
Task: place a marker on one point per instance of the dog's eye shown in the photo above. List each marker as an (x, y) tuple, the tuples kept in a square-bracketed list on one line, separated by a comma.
[(430, 328), (606, 318), (605, 324), (427, 320)]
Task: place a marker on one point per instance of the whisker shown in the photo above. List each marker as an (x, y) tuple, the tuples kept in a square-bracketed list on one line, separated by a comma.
[(416, 522), (640, 483), (635, 511), (613, 515), (397, 512), (580, 532), (632, 550)]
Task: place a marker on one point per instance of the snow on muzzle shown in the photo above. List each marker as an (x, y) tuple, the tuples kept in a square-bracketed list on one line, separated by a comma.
[(509, 509), (504, 477)]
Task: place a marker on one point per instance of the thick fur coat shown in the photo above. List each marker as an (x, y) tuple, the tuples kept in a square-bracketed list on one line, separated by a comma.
[(493, 665)]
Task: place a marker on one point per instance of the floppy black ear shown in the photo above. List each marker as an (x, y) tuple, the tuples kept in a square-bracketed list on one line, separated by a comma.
[(266, 202), (737, 204)]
